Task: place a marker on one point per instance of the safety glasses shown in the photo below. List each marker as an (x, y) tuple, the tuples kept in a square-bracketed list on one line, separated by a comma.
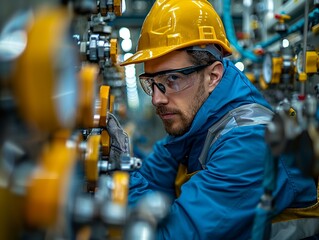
[(169, 81)]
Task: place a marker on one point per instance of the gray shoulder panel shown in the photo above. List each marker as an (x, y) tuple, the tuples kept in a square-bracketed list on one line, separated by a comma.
[(246, 115)]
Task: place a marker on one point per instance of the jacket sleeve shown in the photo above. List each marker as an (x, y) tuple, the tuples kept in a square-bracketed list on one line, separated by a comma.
[(220, 201), (157, 173)]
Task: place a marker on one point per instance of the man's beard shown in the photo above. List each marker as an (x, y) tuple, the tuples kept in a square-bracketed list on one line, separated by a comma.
[(186, 119)]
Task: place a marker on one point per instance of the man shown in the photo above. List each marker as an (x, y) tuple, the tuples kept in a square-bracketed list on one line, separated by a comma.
[(211, 163)]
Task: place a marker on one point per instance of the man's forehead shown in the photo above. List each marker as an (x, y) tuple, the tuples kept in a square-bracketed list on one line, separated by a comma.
[(172, 60)]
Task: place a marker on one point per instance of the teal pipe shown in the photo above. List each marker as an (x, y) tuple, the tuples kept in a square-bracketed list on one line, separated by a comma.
[(294, 28), (230, 32)]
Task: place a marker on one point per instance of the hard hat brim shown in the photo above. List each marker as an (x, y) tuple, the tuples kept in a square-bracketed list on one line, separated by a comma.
[(149, 54)]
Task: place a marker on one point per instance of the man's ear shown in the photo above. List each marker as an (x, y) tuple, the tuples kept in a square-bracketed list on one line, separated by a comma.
[(216, 74)]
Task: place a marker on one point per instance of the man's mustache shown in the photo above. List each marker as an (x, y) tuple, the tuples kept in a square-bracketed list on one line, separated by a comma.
[(163, 110)]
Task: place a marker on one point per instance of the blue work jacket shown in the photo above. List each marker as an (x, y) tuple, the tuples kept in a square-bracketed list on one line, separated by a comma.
[(220, 201)]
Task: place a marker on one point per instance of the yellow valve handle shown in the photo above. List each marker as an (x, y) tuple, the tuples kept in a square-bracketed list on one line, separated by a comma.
[(277, 69), (315, 29), (120, 190), (86, 98), (104, 100), (117, 7), (105, 143), (113, 50), (92, 158), (119, 196), (112, 99), (282, 17), (262, 83), (312, 62), (48, 186), (302, 77)]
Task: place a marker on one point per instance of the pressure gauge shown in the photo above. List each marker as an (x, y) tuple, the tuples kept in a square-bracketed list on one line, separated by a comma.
[(267, 68), (272, 68), (300, 62)]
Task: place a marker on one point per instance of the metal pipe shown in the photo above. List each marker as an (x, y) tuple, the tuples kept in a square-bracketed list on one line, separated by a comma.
[(305, 37)]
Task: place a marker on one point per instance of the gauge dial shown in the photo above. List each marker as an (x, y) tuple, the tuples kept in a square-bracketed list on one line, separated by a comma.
[(267, 68), (300, 62)]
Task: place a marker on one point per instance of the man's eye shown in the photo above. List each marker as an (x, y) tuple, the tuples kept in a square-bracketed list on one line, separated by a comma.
[(173, 81), (173, 77)]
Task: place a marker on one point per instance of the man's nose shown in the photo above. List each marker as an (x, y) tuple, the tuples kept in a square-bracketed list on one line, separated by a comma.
[(158, 97)]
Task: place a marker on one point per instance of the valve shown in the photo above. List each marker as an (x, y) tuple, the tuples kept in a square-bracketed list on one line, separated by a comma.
[(272, 68), (86, 99), (92, 156), (307, 63), (288, 69), (104, 104), (281, 26), (278, 67)]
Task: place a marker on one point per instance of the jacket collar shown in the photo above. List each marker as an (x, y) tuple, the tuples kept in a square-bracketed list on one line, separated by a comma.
[(233, 90)]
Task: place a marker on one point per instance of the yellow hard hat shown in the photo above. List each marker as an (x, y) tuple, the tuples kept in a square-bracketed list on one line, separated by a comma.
[(176, 24)]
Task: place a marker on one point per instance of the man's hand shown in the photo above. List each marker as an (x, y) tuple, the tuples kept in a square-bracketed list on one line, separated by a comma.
[(119, 140)]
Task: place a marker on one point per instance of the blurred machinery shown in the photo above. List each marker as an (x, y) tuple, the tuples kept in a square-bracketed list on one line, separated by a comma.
[(65, 157), (280, 52)]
